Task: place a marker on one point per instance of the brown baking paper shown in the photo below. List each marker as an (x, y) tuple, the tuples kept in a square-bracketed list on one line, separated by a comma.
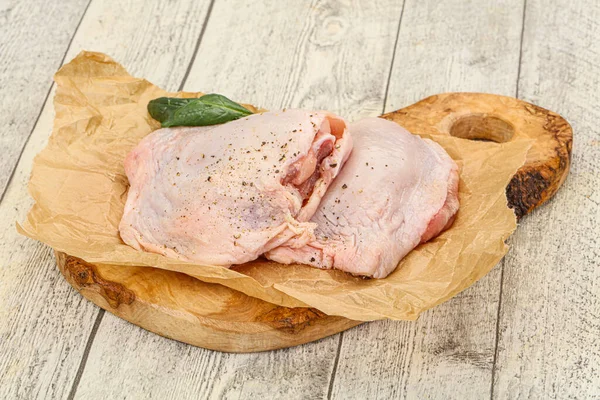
[(79, 187)]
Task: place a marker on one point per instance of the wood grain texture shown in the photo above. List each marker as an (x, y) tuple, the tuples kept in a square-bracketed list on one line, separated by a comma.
[(449, 46), (456, 46), (140, 364), (333, 55), (45, 326), (549, 321), (154, 39), (270, 46), (184, 308), (34, 36)]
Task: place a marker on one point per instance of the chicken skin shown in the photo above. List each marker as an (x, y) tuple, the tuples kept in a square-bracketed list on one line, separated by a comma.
[(226, 194), (395, 191)]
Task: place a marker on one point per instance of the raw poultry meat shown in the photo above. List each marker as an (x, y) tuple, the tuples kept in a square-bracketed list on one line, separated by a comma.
[(226, 194), (396, 191)]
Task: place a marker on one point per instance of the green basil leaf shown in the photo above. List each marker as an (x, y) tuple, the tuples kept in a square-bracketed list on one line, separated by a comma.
[(211, 109), (223, 102), (198, 114), (162, 109)]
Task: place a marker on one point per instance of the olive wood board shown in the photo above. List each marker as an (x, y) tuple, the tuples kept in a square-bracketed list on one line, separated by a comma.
[(215, 317)]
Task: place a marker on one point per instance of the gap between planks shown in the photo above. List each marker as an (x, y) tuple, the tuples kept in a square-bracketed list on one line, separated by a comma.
[(8, 183), (86, 352), (497, 339), (335, 366), (389, 79), (62, 61), (195, 53)]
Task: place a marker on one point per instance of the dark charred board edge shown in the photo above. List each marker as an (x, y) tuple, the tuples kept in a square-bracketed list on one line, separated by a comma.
[(536, 183)]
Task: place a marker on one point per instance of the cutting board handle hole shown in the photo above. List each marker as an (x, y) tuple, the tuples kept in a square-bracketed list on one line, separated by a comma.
[(483, 127)]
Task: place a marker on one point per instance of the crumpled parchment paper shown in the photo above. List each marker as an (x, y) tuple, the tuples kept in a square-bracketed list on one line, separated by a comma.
[(79, 187)]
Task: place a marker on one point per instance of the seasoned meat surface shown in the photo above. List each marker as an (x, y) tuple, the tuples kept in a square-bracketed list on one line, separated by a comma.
[(225, 194), (395, 191)]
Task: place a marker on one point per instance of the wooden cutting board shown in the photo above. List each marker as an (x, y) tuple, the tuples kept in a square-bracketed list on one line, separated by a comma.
[(215, 317)]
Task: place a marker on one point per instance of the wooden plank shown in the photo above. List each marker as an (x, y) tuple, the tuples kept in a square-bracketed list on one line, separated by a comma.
[(151, 366), (549, 320), (34, 36), (45, 324), (447, 353), (326, 54), (316, 56), (155, 40), (456, 46)]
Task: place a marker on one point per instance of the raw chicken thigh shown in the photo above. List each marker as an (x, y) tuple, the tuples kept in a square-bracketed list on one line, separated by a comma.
[(226, 194), (396, 191)]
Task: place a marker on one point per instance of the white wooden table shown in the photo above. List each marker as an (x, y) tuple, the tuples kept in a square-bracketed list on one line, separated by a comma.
[(529, 329)]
